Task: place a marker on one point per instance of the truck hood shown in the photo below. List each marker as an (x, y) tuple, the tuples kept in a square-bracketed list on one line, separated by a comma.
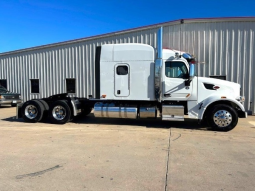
[(226, 88), (8, 93)]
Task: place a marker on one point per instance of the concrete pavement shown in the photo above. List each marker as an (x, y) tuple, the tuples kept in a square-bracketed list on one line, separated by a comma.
[(116, 154)]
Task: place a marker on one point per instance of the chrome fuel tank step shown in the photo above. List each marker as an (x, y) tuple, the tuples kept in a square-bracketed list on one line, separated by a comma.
[(173, 112)]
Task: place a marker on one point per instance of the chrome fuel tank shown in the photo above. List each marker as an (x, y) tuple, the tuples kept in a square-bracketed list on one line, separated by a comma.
[(148, 112), (111, 111)]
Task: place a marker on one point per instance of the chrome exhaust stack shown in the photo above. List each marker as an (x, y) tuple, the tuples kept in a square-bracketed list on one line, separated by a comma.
[(158, 66)]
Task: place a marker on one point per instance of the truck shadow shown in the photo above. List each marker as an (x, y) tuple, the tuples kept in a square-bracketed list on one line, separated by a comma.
[(13, 119), (3, 106), (148, 123)]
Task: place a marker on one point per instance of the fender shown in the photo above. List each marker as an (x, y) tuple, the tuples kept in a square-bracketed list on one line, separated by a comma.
[(212, 99)]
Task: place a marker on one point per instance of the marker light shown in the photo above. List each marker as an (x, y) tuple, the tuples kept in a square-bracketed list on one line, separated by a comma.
[(193, 61), (241, 99)]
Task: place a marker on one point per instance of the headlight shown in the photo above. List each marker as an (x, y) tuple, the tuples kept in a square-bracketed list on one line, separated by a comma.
[(241, 99)]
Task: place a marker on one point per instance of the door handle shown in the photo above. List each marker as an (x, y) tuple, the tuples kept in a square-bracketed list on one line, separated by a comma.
[(118, 91), (167, 95)]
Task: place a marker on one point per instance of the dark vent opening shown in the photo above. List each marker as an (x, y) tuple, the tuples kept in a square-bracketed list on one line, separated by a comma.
[(70, 85), (97, 71), (35, 86), (209, 86)]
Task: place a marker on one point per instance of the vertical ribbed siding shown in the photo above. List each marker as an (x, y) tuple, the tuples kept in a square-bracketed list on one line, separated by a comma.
[(52, 66), (225, 48)]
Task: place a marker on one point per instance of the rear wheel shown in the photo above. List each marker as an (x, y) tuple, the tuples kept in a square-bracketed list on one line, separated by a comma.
[(222, 118), (32, 111), (46, 106), (46, 109), (60, 112)]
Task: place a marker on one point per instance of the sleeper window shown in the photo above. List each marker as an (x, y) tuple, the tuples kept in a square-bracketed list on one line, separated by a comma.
[(122, 70)]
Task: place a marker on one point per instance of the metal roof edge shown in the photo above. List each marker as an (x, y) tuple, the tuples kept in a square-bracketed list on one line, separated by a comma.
[(220, 19), (174, 22)]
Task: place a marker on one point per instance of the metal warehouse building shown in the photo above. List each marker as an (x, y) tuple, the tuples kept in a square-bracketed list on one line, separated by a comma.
[(224, 47)]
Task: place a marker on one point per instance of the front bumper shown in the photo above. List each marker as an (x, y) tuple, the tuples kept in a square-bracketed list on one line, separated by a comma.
[(10, 101), (242, 114)]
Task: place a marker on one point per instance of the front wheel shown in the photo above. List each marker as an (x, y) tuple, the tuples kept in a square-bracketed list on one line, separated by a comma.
[(222, 117), (60, 112)]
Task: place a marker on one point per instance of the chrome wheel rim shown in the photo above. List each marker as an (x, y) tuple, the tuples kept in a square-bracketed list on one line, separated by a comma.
[(222, 118), (59, 112), (31, 112)]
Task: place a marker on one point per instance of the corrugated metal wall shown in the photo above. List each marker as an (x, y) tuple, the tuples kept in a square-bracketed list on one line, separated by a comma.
[(52, 66), (225, 48)]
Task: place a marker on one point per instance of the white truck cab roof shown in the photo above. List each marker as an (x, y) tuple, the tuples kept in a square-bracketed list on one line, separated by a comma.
[(127, 52)]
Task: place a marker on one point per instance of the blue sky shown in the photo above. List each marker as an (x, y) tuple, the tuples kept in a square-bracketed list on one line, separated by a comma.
[(29, 23)]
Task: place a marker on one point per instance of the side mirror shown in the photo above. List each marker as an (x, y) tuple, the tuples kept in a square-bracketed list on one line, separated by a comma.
[(191, 71), (191, 74)]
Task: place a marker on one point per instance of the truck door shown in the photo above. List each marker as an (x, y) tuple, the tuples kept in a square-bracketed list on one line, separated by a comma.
[(176, 73), (121, 78)]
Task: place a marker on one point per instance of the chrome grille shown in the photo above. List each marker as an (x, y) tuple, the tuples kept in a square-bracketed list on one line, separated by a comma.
[(11, 96)]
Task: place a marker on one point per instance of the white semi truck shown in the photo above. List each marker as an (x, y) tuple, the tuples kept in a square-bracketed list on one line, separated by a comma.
[(135, 81)]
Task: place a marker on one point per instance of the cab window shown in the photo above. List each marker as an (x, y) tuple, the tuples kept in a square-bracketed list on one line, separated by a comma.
[(176, 70)]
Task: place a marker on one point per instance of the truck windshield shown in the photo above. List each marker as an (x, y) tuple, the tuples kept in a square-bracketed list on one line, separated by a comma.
[(176, 70), (3, 89)]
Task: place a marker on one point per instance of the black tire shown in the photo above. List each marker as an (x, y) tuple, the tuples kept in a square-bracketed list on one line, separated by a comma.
[(46, 109), (60, 112), (46, 106), (222, 117), (32, 111)]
